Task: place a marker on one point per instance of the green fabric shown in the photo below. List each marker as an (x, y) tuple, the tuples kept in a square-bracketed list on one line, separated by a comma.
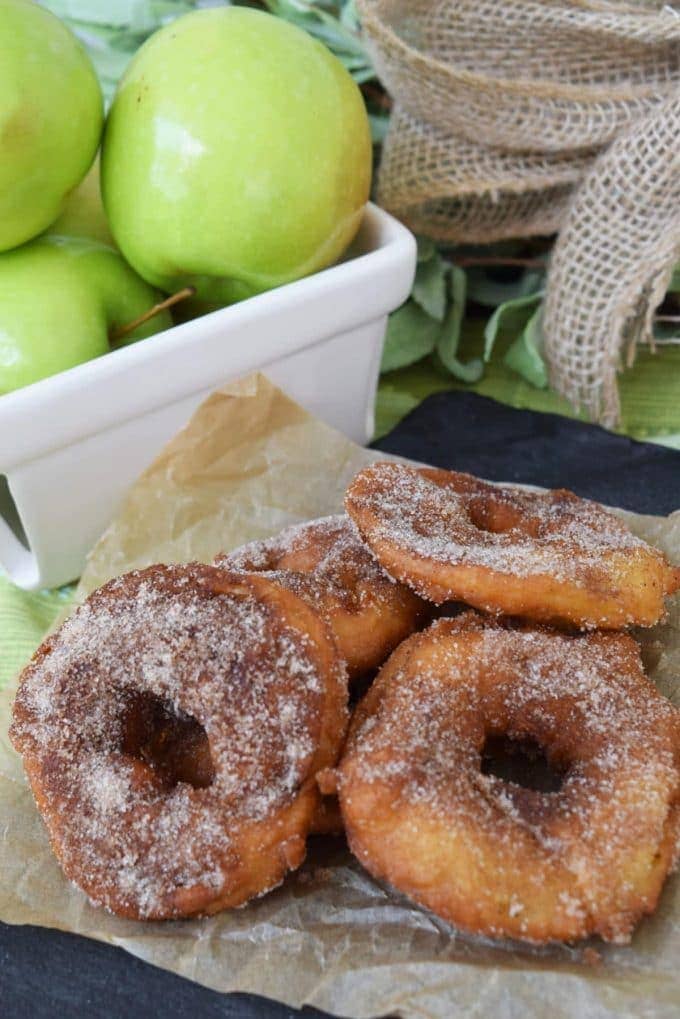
[(650, 396), (24, 619)]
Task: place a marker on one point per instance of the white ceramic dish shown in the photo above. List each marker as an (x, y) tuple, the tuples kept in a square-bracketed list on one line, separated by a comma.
[(71, 444)]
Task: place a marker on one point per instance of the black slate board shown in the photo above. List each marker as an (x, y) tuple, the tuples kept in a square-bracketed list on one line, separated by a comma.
[(45, 974), (466, 432)]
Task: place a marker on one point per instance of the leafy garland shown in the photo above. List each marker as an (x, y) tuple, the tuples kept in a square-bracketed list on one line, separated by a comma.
[(508, 278)]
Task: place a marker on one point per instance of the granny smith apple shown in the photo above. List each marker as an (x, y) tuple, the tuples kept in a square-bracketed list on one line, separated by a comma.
[(60, 300), (236, 155), (82, 214), (51, 115)]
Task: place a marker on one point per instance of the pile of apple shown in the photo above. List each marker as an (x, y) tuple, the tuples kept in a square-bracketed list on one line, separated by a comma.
[(236, 156)]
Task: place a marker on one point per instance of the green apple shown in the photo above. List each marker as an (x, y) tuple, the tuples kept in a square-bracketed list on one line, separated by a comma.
[(236, 155), (51, 116), (60, 300), (82, 214)]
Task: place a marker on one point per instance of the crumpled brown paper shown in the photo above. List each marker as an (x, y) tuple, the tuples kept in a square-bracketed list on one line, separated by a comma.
[(250, 462)]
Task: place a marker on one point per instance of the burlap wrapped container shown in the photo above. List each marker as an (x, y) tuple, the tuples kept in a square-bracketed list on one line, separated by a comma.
[(520, 93), (501, 109), (454, 190), (524, 74), (612, 262)]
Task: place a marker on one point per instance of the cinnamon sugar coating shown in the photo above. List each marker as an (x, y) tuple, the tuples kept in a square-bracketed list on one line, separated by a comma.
[(490, 855), (325, 562), (172, 730), (548, 556)]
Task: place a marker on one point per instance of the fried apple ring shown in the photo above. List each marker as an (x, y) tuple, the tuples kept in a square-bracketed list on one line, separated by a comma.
[(547, 556), (171, 732), (325, 562), (327, 818), (490, 855)]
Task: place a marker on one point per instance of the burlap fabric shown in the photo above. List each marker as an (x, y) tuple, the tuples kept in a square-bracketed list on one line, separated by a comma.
[(500, 111), (524, 74), (548, 82), (450, 188), (612, 262)]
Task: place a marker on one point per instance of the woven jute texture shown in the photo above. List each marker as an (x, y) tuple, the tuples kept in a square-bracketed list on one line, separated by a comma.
[(525, 74), (612, 262), (518, 94), (450, 188), (527, 117)]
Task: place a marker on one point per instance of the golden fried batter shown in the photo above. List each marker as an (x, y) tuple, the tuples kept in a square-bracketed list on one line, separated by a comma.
[(327, 818), (490, 855), (548, 556), (172, 731), (325, 562)]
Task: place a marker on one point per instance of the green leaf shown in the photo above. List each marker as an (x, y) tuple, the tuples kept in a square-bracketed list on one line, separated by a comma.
[(429, 287), (113, 31), (426, 249), (145, 15), (674, 285), (379, 124), (411, 335), (449, 335), (349, 16), (114, 12), (331, 26), (524, 356), (496, 321), (490, 289)]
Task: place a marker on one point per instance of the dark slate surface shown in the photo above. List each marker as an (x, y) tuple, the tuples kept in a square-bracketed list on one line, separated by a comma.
[(49, 974), (471, 433)]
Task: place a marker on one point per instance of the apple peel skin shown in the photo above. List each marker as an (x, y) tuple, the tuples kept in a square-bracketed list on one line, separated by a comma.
[(51, 117), (236, 156), (60, 297), (82, 214)]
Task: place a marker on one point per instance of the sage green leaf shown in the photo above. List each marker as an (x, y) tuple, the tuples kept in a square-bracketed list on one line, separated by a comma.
[(411, 335), (144, 15), (429, 287), (329, 24), (115, 12), (362, 74), (501, 313), (446, 353), (110, 50), (113, 31), (349, 16), (426, 248), (525, 357), (379, 124), (487, 287)]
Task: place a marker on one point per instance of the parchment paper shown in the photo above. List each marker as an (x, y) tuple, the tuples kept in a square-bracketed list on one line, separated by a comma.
[(250, 462)]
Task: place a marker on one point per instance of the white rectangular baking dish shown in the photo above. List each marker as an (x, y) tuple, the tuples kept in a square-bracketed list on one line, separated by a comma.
[(70, 445)]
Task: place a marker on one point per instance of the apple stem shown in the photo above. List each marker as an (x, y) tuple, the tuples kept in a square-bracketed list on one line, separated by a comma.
[(120, 331)]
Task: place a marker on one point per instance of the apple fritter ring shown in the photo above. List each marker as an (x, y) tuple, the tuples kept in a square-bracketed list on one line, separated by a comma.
[(327, 818), (172, 730), (547, 556), (491, 855), (325, 562)]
